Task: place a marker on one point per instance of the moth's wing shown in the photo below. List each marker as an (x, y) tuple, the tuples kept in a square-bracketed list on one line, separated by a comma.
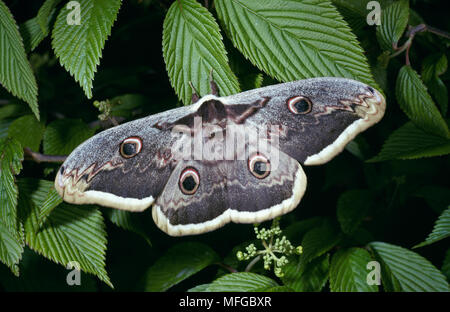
[(341, 108), (96, 172), (228, 192)]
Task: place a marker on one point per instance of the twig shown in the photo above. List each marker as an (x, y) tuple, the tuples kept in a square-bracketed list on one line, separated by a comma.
[(113, 121), (412, 31), (106, 123), (227, 267), (252, 263), (38, 157)]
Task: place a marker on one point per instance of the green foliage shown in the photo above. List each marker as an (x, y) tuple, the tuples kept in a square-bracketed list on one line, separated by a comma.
[(434, 66), (11, 156), (62, 136), (177, 264), (70, 233), (32, 34), (45, 13), (350, 204), (446, 265), (404, 270), (318, 241), (440, 231), (15, 71), (242, 281), (393, 23), (11, 248), (128, 221), (410, 142), (79, 47), (51, 202), (312, 278), (28, 131), (348, 271), (352, 207), (415, 101), (11, 242), (192, 47), (268, 33)]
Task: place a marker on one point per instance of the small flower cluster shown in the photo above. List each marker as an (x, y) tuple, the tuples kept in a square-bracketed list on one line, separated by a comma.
[(104, 107), (273, 245)]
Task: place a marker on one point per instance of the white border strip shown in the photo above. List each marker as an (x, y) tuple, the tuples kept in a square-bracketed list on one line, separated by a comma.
[(377, 107), (231, 215)]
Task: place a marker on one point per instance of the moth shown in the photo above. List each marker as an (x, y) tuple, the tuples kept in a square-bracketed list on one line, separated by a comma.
[(235, 158)]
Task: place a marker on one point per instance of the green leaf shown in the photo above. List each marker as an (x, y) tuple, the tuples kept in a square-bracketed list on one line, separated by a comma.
[(354, 148), (352, 207), (4, 126), (79, 47), (31, 33), (70, 232), (446, 265), (62, 136), (417, 103), (393, 23), (291, 40), (45, 13), (127, 220), (124, 105), (38, 274), (12, 110), (28, 131), (15, 71), (51, 201), (199, 288), (348, 271), (410, 142), (405, 270), (318, 241), (241, 282), (440, 231), (439, 91), (11, 156), (192, 47), (11, 248), (295, 231), (313, 277), (177, 264), (433, 66)]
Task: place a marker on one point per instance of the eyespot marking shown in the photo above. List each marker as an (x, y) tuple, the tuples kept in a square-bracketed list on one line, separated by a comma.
[(189, 181), (130, 147), (299, 105), (259, 166)]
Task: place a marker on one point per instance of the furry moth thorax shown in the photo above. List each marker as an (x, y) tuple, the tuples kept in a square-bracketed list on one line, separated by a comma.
[(235, 158)]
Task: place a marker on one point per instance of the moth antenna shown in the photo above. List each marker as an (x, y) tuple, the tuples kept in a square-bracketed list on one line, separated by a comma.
[(212, 84), (194, 97)]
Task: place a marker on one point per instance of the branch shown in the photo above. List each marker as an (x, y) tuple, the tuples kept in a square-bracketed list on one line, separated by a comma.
[(112, 121), (252, 263), (227, 267), (38, 157), (412, 31)]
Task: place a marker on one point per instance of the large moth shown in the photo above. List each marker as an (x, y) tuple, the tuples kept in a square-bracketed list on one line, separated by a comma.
[(235, 158)]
